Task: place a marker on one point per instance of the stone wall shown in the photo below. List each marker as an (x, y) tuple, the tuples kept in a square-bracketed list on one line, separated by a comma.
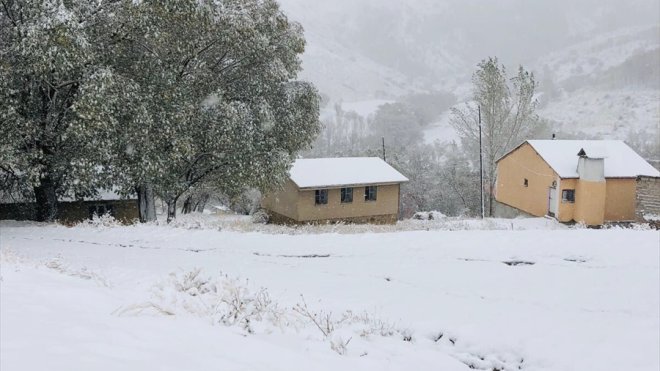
[(648, 197), (125, 211), (17, 211), (502, 210)]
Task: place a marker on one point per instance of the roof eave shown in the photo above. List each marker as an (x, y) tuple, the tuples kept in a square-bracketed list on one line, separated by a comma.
[(333, 186), (513, 150), (608, 177)]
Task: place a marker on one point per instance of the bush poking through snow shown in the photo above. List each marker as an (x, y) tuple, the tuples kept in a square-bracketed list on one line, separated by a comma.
[(56, 264), (141, 309), (260, 217), (339, 345), (9, 256), (230, 302), (225, 300), (192, 284), (258, 223), (103, 221), (428, 215), (322, 321)]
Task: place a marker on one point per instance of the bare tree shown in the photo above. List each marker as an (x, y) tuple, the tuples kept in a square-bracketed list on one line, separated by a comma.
[(507, 112)]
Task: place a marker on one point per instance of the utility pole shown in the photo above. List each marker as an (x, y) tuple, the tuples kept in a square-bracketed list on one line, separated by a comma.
[(481, 167), (384, 149)]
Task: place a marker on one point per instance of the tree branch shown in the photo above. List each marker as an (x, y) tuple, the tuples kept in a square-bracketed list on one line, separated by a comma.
[(9, 14)]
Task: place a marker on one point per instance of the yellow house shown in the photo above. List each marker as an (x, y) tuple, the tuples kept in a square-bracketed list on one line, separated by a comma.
[(589, 181), (353, 189)]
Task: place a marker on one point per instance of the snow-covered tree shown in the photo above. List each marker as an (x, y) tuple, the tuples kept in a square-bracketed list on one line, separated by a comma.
[(342, 135), (217, 85), (398, 123), (59, 101), (507, 112)]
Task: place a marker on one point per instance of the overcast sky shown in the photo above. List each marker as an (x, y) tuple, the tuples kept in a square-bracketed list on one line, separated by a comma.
[(441, 39)]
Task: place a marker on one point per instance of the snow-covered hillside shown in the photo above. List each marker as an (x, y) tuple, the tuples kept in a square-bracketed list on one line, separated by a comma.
[(367, 49), (172, 298), (607, 114), (594, 59), (606, 87), (353, 48), (600, 53)]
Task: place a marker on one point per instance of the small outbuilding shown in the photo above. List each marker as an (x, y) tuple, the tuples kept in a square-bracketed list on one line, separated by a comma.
[(350, 189), (588, 181)]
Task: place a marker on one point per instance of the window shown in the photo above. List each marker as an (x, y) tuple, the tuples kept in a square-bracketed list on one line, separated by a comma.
[(321, 197), (526, 183), (346, 195), (568, 195), (370, 193), (100, 210)]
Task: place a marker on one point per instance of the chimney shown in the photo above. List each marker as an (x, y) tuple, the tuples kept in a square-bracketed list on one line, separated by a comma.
[(591, 168)]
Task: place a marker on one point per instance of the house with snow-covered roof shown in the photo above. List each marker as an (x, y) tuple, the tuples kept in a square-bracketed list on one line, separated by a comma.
[(351, 189), (589, 181)]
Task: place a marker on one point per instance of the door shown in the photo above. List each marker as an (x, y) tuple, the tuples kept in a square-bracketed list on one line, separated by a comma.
[(552, 201)]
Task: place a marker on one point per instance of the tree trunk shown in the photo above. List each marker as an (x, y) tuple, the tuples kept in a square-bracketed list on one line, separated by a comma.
[(195, 203), (146, 203), (492, 177), (199, 207), (46, 198), (188, 205), (171, 209)]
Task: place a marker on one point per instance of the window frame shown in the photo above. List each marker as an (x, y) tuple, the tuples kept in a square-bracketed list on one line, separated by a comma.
[(565, 199), (371, 193), (346, 195), (320, 197)]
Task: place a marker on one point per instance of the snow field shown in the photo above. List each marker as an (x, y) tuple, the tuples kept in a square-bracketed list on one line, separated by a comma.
[(163, 297)]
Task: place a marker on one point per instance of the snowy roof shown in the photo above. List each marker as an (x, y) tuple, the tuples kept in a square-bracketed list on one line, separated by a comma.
[(329, 172), (620, 160)]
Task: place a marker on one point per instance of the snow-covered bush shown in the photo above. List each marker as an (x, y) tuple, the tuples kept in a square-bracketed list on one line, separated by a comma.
[(260, 217), (57, 264), (245, 223), (192, 284), (231, 302), (246, 203), (225, 300), (428, 215), (102, 221)]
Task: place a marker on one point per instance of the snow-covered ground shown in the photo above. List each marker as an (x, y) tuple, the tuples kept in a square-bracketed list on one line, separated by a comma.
[(524, 294)]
